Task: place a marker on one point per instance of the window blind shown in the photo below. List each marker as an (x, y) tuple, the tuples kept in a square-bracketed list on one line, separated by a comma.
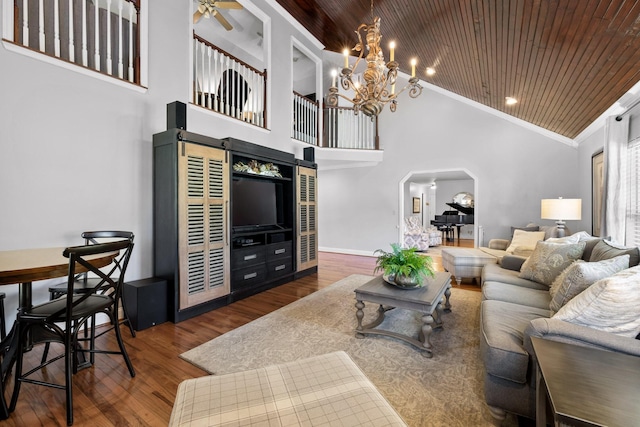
[(633, 199)]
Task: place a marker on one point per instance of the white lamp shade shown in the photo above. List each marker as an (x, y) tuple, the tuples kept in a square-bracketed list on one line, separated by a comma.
[(561, 209)]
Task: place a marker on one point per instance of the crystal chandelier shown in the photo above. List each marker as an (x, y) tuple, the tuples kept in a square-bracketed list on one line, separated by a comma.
[(371, 88)]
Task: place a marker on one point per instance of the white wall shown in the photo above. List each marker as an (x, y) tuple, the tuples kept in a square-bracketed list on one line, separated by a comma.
[(515, 168), (77, 151)]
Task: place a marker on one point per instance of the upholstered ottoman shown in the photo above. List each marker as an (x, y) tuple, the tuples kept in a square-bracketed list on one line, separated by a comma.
[(327, 390), (465, 262)]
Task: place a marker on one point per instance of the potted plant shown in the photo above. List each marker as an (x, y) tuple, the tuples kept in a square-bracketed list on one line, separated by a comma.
[(404, 267)]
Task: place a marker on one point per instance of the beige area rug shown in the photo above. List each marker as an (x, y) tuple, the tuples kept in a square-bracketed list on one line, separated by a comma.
[(446, 390)]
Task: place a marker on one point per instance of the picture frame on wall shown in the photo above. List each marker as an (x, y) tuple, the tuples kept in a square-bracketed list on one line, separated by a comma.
[(597, 186), (416, 205)]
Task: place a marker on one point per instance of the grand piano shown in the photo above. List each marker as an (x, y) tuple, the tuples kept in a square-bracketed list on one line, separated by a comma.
[(453, 220)]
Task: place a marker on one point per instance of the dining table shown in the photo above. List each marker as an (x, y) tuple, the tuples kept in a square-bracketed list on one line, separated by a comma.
[(22, 267)]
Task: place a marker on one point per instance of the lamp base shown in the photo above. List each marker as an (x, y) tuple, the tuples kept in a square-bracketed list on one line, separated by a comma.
[(560, 231)]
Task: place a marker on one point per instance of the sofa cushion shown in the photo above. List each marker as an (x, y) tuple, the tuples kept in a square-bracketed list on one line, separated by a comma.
[(524, 240), (502, 334), (548, 260), (580, 275), (607, 250), (516, 294), (610, 305), (495, 273)]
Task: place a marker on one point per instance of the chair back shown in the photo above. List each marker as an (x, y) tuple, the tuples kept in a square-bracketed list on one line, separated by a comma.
[(98, 237), (82, 259)]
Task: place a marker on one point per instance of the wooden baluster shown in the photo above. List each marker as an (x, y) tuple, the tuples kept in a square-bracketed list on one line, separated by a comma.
[(209, 77), (227, 87), (25, 23), (108, 53), (85, 52), (56, 28), (131, 37), (203, 76), (72, 53), (120, 63), (41, 36), (216, 79), (96, 38)]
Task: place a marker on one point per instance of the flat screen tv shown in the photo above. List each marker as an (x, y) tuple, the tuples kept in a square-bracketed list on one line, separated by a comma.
[(254, 203)]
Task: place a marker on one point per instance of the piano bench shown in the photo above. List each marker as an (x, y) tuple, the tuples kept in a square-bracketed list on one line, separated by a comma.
[(465, 262)]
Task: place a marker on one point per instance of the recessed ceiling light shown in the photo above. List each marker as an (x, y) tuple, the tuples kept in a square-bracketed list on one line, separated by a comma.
[(510, 101), (431, 71)]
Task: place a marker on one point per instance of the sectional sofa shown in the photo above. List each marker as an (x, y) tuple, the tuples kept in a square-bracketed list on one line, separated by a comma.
[(581, 290)]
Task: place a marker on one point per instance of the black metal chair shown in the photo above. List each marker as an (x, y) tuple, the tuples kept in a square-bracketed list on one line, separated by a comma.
[(61, 320), (85, 284)]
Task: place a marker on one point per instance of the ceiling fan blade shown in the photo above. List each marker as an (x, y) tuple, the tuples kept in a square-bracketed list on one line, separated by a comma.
[(196, 16), (222, 20), (227, 5)]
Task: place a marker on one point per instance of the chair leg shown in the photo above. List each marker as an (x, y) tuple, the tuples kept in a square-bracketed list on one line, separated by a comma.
[(126, 318), (3, 328), (69, 358), (21, 332), (123, 350)]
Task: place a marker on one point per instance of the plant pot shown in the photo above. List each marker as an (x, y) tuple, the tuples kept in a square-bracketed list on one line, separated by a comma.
[(404, 282)]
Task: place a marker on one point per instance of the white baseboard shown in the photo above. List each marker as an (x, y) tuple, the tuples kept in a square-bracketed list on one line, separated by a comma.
[(346, 251)]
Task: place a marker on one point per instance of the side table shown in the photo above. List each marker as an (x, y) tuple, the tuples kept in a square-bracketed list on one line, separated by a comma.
[(584, 386)]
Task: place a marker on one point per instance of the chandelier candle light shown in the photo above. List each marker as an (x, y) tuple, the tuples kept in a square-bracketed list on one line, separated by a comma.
[(371, 92)]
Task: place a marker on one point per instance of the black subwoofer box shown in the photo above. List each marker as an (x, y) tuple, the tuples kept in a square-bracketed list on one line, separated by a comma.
[(146, 302)]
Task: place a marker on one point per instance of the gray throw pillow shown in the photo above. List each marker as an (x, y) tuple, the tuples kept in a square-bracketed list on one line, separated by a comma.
[(610, 305), (607, 250), (588, 249), (579, 276), (527, 228), (548, 260)]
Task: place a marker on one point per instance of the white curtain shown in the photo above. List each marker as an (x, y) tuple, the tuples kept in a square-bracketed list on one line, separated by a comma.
[(614, 194)]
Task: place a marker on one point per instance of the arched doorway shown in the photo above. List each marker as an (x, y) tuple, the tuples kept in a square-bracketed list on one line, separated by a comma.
[(419, 184)]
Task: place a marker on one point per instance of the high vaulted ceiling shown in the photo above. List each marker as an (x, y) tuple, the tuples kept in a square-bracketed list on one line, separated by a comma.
[(566, 61)]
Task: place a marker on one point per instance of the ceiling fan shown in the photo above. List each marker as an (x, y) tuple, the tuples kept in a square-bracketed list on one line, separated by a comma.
[(209, 8)]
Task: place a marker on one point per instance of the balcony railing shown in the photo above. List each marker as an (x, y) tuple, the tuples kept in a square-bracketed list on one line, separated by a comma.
[(305, 119), (100, 35), (227, 85), (345, 129)]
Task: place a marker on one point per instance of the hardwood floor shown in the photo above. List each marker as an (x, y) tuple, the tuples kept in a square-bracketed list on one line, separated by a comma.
[(105, 395)]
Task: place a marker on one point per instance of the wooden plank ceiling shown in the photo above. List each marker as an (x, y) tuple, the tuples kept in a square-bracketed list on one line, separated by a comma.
[(566, 61)]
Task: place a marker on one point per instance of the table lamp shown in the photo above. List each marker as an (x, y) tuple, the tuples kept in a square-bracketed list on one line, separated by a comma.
[(560, 210)]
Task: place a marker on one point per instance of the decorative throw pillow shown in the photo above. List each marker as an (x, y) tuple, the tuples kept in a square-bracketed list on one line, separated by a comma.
[(579, 276), (529, 227), (548, 260), (523, 240), (574, 238), (588, 249), (607, 250), (610, 305)]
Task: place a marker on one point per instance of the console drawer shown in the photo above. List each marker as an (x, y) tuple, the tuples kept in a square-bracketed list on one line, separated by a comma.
[(249, 276), (279, 250), (280, 267), (248, 256)]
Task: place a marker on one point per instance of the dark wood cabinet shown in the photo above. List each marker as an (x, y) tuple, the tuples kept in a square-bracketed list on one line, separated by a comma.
[(225, 215)]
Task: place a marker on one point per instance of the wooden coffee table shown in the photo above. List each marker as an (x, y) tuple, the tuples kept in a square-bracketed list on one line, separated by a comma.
[(426, 300)]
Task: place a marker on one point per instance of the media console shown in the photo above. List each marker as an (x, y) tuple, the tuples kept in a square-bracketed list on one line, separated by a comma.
[(231, 219)]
